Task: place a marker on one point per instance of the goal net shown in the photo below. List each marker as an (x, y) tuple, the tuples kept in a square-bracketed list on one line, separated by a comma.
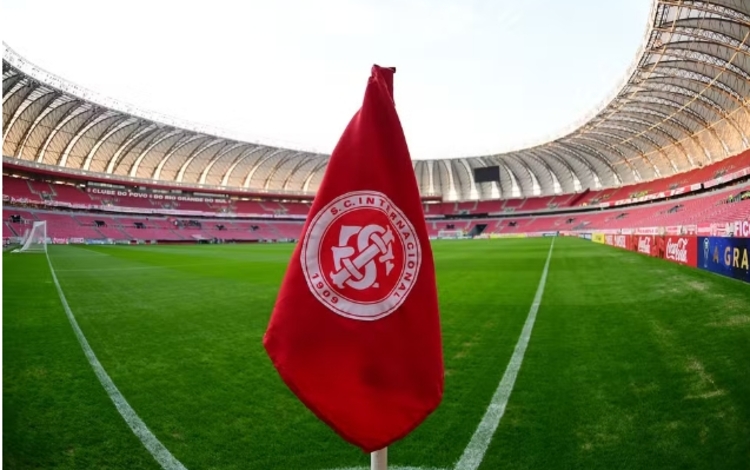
[(451, 234), (34, 240)]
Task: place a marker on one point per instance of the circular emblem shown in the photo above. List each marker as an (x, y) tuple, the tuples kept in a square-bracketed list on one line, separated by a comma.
[(361, 256)]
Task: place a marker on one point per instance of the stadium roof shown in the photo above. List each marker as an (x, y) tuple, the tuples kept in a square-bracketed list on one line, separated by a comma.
[(683, 104)]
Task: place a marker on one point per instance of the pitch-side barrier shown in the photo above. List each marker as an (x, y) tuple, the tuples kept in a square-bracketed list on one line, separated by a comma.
[(719, 248)]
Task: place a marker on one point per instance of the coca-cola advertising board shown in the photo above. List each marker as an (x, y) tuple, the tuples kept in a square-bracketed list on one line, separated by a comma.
[(641, 244), (649, 245), (682, 250)]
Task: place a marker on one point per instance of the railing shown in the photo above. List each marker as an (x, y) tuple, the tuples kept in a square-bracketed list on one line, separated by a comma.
[(96, 176)]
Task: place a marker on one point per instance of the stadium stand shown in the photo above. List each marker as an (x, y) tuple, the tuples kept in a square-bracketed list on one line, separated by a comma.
[(719, 206), (30, 191), (677, 184)]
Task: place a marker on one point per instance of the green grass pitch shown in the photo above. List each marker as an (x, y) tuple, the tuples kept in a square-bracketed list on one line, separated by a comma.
[(633, 362)]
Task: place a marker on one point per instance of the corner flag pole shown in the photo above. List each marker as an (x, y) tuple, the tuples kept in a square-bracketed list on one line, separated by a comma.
[(379, 459)]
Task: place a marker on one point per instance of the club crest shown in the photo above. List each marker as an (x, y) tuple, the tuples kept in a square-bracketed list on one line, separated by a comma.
[(361, 256)]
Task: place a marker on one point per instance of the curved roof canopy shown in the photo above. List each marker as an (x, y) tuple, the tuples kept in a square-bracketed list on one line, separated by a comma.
[(683, 104)]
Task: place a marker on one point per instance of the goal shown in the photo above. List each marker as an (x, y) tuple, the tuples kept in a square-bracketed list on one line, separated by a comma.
[(451, 234), (34, 240)]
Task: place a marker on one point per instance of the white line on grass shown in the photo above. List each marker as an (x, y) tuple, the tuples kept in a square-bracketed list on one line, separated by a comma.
[(480, 441), (139, 428)]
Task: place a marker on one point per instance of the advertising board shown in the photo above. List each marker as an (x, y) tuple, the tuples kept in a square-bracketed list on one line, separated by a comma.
[(619, 241), (682, 250), (642, 244), (508, 235), (622, 241), (728, 256)]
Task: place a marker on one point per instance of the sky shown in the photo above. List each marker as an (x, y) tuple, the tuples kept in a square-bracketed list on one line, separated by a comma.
[(474, 77)]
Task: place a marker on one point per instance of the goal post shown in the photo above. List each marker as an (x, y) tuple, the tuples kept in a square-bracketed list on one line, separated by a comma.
[(35, 241), (451, 234), (24, 237)]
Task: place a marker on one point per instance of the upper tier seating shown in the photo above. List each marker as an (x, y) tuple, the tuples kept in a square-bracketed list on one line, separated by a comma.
[(19, 189), (593, 197), (37, 192), (700, 175), (72, 194)]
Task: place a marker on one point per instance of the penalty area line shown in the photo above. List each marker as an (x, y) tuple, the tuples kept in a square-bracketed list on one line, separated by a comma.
[(157, 450), (480, 441)]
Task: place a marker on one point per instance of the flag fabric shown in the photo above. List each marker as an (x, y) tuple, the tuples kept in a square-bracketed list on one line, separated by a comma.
[(355, 332)]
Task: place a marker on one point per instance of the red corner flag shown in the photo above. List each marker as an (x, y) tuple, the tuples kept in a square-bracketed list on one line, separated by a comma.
[(355, 332)]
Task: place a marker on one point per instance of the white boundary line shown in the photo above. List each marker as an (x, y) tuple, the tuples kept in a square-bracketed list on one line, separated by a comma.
[(480, 441), (157, 450)]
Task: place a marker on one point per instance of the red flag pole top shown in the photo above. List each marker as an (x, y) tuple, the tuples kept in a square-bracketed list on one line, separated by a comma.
[(355, 332)]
